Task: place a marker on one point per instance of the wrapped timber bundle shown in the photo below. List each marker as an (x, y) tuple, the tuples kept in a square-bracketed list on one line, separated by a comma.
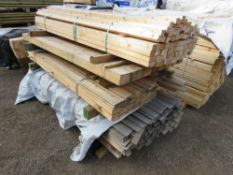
[(110, 100), (150, 42), (204, 72), (139, 129), (20, 12), (8, 59)]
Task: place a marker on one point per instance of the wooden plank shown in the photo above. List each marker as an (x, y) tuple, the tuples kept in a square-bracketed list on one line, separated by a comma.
[(124, 130), (111, 149), (109, 104), (101, 152), (203, 71), (17, 46), (132, 125), (138, 138)]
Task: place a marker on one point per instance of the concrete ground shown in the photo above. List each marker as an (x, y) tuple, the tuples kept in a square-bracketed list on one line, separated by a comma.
[(31, 142)]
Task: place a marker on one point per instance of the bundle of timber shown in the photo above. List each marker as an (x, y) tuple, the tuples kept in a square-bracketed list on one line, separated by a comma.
[(107, 66), (80, 1), (18, 12), (17, 46), (16, 17), (148, 41), (115, 67), (28, 3), (160, 116), (110, 100), (204, 72)]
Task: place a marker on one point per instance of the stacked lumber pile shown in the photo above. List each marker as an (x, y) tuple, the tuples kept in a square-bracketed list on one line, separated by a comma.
[(160, 116), (80, 2), (150, 42), (14, 17), (28, 3), (114, 63), (110, 100), (16, 12), (106, 66), (204, 72)]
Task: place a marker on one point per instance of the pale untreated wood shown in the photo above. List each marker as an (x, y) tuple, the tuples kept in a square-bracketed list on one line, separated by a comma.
[(110, 104), (163, 42), (135, 132), (204, 72), (107, 66), (80, 1)]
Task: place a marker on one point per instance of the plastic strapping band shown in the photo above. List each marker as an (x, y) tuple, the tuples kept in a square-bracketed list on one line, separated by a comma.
[(75, 30), (79, 83), (106, 37)]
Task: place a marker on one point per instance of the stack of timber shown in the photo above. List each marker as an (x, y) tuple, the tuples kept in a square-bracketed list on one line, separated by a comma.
[(17, 46), (114, 63), (160, 116), (108, 99), (106, 66), (28, 3), (147, 41), (18, 12), (16, 17), (204, 72), (91, 2)]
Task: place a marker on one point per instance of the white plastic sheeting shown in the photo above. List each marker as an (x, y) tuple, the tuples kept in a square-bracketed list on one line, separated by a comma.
[(223, 8), (68, 107), (213, 17)]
